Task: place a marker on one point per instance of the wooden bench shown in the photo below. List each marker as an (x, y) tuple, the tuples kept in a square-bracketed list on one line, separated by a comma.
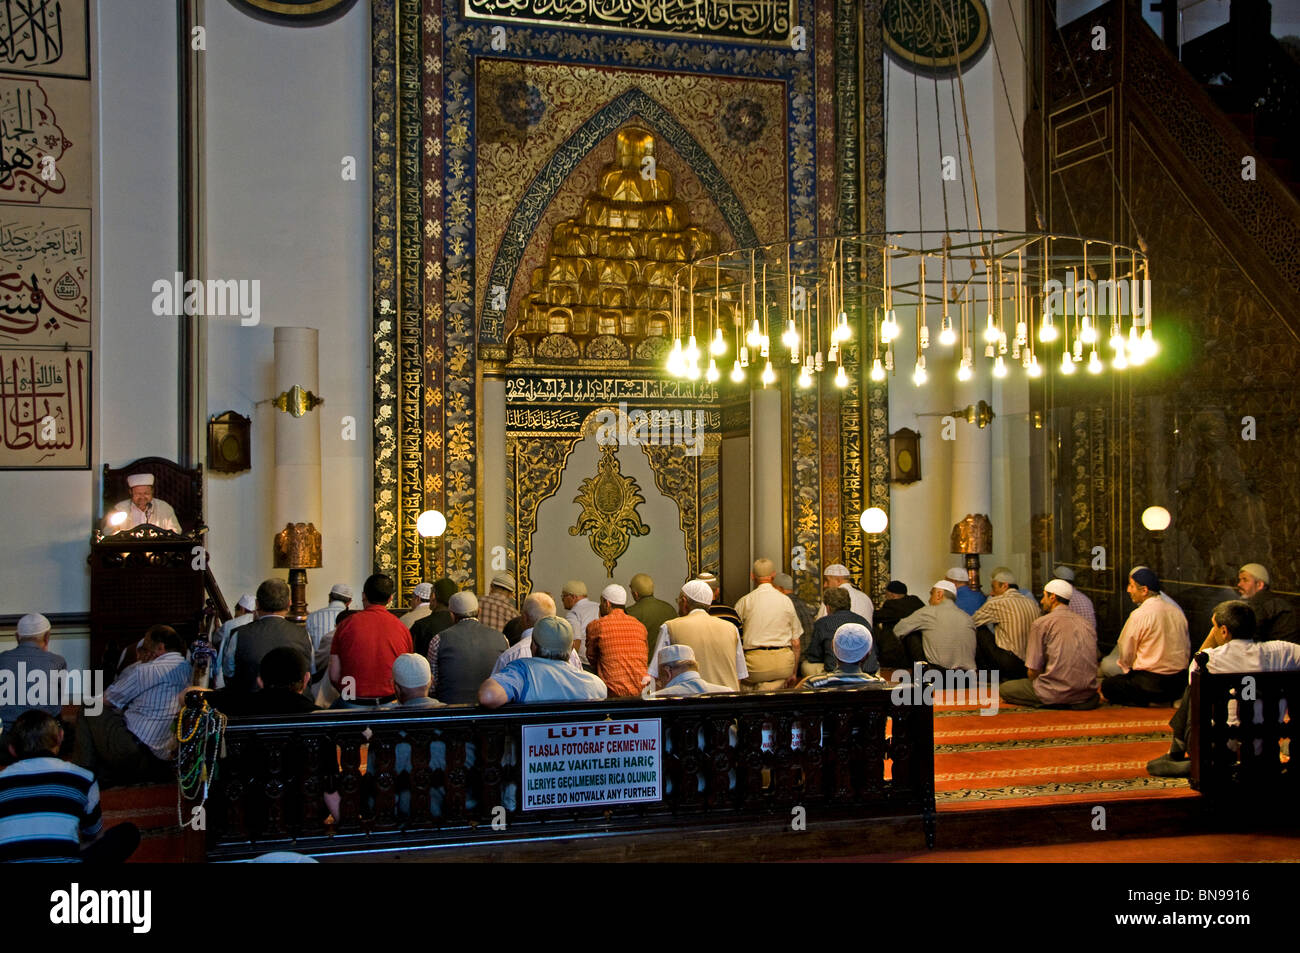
[(1244, 759), (727, 761)]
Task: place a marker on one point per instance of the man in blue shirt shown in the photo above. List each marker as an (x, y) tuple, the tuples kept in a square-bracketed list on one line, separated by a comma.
[(547, 676)]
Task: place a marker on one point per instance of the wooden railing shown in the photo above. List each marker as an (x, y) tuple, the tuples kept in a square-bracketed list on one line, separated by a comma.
[(1245, 759), (727, 761)]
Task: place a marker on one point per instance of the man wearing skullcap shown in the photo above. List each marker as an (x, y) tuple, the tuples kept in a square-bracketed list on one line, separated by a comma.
[(648, 610), (969, 599), (1002, 627), (439, 616), (1275, 616), (819, 655), (34, 655), (852, 643), (580, 611), (222, 640), (679, 675), (770, 631), (717, 608), (1153, 649), (462, 655), (943, 635), (859, 601), (1080, 604), (1060, 655), (497, 606), (142, 507), (897, 605), (616, 644), (422, 598), (715, 642), (320, 627), (545, 676)]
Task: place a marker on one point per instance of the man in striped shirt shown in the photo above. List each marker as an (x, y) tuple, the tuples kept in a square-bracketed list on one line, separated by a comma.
[(135, 736), (1080, 605), (1009, 615), (49, 808)]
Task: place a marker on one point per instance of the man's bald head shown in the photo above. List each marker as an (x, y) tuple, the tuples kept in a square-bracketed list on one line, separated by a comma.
[(538, 606)]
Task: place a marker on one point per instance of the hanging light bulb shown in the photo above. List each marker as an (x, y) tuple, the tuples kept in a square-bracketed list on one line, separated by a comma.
[(1119, 362), (991, 332), (947, 336), (755, 335), (744, 356), (1094, 363), (1149, 346), (693, 370), (805, 379), (925, 336), (1067, 365), (676, 363), (768, 376), (841, 379), (964, 372), (1116, 336), (999, 367), (889, 360), (1134, 342), (1022, 332), (919, 375), (818, 363), (1087, 333), (719, 345), (1015, 351), (877, 370), (692, 352), (791, 336), (1078, 350), (833, 355), (1034, 370), (843, 332), (711, 375), (763, 349), (1002, 343), (888, 327), (737, 375), (990, 349), (1047, 330)]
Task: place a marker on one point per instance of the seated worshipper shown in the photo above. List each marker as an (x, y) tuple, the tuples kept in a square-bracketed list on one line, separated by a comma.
[(941, 634), (616, 644), (648, 610), (134, 738), (321, 625), (243, 615), (421, 595), (968, 597), (851, 643), (1237, 649), (1153, 649), (413, 678), (1080, 604), (679, 675), (717, 608), (537, 606), (859, 601), (715, 642), (1060, 655), (462, 655), (770, 631), (897, 605), (579, 610), (545, 676), (49, 809), (439, 616), (820, 656), (1008, 615), (497, 606), (268, 630), (281, 681), (365, 646), (32, 655), (141, 508), (784, 582), (1275, 616)]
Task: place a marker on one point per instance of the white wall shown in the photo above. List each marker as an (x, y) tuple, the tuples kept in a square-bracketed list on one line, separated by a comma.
[(283, 106)]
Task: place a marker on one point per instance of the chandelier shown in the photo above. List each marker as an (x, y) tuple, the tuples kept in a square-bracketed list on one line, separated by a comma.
[(1016, 297)]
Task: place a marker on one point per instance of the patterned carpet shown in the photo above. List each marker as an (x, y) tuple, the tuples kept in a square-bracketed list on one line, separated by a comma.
[(1023, 756)]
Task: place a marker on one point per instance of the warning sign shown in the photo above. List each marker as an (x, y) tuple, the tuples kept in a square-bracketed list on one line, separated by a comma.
[(597, 762)]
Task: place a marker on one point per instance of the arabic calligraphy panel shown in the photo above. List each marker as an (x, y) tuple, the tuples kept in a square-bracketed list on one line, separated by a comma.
[(44, 409), (45, 148), (45, 37), (755, 21), (44, 276)]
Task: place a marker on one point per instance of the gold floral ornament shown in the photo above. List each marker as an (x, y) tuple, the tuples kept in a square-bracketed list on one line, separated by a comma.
[(609, 518)]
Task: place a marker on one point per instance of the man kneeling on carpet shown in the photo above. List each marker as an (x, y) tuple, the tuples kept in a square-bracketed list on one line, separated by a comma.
[(1234, 628), (1061, 656)]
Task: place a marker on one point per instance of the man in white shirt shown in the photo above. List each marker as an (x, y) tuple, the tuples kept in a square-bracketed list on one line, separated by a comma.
[(142, 508), (320, 624), (578, 610), (243, 615), (537, 606), (422, 594), (859, 601), (770, 630)]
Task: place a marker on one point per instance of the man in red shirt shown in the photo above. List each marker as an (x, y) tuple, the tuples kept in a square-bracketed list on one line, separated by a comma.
[(365, 646), (616, 644)]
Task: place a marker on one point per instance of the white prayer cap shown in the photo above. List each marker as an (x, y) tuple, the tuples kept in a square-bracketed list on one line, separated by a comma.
[(852, 642), (139, 479), (957, 574), (32, 625), (946, 586), (463, 603), (342, 590), (1003, 574), (1059, 587), (1064, 572), (783, 580), (1256, 572), (247, 601), (412, 671), (423, 591), (697, 590), (836, 570), (712, 580), (614, 594), (676, 654)]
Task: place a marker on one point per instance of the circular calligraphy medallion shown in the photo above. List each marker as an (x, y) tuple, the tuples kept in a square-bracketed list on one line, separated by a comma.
[(935, 37), (295, 12)]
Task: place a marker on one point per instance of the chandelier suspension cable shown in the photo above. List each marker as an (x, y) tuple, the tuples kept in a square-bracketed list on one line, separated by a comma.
[(1015, 128)]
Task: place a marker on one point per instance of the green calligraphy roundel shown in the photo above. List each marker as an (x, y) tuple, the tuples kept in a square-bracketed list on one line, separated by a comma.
[(295, 12), (935, 37)]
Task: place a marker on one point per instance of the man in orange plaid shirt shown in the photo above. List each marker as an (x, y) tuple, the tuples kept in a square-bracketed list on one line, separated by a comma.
[(616, 643)]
